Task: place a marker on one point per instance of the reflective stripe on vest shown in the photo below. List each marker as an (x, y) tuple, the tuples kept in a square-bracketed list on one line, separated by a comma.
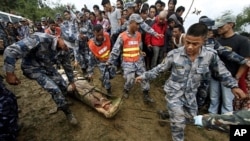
[(131, 49), (101, 52)]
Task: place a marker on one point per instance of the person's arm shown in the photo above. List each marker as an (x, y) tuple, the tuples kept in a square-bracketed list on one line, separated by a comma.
[(14, 52), (230, 55), (223, 122), (122, 28), (164, 65), (119, 17), (66, 64), (116, 51)]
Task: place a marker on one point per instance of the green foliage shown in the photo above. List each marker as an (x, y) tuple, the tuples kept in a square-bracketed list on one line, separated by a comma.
[(243, 19), (33, 9)]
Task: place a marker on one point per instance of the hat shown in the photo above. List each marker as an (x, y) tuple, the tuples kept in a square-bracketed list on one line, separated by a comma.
[(224, 19), (43, 19), (129, 5), (105, 2), (135, 17), (208, 22)]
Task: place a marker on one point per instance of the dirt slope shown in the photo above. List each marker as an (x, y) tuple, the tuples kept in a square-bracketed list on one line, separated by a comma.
[(136, 121)]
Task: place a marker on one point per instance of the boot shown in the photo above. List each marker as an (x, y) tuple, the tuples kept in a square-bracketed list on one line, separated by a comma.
[(84, 71), (109, 92), (125, 93), (69, 115), (147, 98)]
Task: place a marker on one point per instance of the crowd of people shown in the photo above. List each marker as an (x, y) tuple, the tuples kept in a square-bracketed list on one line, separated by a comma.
[(208, 64)]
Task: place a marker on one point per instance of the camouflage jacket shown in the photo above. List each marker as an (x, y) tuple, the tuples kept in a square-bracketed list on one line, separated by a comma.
[(226, 53), (69, 29), (143, 26), (186, 76), (38, 50)]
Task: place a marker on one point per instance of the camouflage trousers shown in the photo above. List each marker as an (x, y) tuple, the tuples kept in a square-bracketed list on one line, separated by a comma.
[(51, 81), (107, 73), (179, 111), (83, 54), (223, 122), (8, 114), (129, 72)]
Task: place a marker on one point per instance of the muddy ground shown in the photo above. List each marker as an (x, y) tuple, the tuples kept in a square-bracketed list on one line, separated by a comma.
[(136, 121)]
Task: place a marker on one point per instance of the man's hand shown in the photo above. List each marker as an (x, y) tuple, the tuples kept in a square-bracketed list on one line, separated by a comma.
[(138, 79), (82, 36), (108, 64), (12, 79), (159, 36), (73, 85), (238, 93)]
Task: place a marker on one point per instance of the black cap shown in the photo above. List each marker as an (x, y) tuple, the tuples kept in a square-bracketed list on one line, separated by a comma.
[(105, 2), (138, 1)]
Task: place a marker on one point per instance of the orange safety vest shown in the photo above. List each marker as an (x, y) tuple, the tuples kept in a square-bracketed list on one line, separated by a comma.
[(101, 52), (131, 47)]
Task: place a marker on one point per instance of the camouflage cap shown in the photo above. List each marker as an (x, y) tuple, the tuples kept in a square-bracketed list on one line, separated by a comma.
[(135, 17), (224, 19), (129, 5)]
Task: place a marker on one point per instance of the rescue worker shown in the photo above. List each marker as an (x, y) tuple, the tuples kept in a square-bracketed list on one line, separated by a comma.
[(70, 32), (39, 53), (129, 44), (86, 33), (100, 48), (223, 122), (188, 65)]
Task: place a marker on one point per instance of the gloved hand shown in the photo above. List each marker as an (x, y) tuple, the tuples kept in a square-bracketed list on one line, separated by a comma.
[(198, 120)]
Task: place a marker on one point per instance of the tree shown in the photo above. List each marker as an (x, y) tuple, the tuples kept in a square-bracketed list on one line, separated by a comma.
[(243, 19)]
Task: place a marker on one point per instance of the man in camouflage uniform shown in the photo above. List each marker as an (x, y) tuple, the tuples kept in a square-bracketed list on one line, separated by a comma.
[(100, 48), (70, 32), (188, 65), (223, 122), (129, 43), (86, 33), (8, 114), (40, 52)]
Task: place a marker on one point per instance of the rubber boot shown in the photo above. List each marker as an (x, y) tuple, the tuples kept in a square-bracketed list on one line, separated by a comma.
[(146, 97), (125, 93), (84, 71), (69, 115)]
